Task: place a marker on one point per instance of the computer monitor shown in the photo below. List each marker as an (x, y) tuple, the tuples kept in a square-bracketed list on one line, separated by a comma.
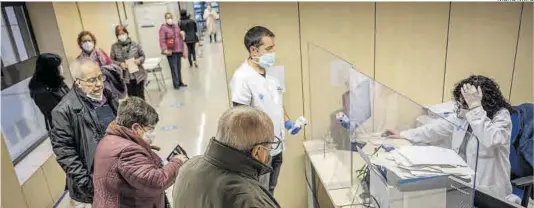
[(357, 107), (485, 200), (357, 103), (460, 195)]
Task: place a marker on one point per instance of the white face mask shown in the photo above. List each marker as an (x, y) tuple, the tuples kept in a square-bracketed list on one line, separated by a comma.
[(169, 21), (122, 37), (149, 136), (95, 97), (88, 46), (266, 60), (461, 113)]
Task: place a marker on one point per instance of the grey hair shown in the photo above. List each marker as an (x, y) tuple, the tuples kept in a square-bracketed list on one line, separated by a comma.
[(243, 127), (77, 66), (135, 110)]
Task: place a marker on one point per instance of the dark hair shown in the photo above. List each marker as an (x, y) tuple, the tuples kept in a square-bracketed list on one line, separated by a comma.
[(84, 33), (254, 36), (492, 99), (118, 28), (47, 72), (135, 110), (183, 14)]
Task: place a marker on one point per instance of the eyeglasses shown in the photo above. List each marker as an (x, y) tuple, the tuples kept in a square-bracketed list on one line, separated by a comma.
[(94, 80), (274, 145)]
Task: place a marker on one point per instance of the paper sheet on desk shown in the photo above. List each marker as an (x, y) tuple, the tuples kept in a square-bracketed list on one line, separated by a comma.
[(392, 166), (404, 169), (132, 66), (430, 155)]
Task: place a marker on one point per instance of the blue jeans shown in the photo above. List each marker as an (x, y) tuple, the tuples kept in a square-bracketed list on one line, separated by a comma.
[(175, 63)]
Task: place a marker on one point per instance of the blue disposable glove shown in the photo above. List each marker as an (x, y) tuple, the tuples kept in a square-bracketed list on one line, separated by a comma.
[(289, 124), (387, 147), (295, 131)]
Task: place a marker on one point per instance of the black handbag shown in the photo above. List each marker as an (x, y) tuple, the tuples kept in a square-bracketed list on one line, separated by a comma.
[(167, 203)]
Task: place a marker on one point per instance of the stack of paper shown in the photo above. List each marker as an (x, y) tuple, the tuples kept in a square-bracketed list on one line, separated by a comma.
[(430, 155), (442, 109), (423, 161)]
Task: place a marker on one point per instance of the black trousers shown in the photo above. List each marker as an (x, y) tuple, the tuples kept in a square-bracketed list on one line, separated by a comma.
[(175, 63), (192, 56), (276, 164), (136, 89), (213, 37)]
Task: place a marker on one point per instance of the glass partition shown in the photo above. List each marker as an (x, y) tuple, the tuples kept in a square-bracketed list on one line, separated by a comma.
[(375, 150)]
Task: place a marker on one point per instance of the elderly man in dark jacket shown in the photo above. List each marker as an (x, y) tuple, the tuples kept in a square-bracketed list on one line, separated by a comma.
[(79, 122), (227, 174)]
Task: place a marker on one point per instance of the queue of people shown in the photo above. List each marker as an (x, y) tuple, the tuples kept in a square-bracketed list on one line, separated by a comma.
[(79, 117)]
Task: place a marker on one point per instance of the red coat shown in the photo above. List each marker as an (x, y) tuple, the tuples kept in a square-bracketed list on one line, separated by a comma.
[(127, 173), (165, 32)]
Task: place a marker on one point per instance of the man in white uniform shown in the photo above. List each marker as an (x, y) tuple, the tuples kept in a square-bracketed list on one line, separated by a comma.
[(251, 85)]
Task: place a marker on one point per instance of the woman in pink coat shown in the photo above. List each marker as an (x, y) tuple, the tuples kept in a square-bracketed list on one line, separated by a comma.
[(127, 173), (172, 45)]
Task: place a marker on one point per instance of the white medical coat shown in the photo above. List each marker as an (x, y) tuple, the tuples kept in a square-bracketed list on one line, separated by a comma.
[(248, 87), (493, 171)]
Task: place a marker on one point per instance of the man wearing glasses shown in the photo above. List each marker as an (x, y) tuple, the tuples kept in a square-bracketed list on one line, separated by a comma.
[(80, 121), (228, 172)]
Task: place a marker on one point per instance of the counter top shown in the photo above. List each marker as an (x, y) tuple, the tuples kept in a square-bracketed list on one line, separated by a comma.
[(333, 168)]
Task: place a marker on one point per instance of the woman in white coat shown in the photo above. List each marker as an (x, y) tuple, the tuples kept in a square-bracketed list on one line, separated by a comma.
[(482, 111), (210, 15)]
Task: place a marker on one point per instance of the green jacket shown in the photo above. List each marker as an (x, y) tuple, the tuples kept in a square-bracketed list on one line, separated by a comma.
[(223, 177)]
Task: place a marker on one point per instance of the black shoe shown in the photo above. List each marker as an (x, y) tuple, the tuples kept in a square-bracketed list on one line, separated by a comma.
[(182, 85), (196, 65)]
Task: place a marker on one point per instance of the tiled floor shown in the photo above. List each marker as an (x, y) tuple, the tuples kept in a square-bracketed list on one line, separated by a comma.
[(191, 114)]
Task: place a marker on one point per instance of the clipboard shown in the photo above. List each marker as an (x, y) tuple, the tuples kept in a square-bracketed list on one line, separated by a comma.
[(132, 66)]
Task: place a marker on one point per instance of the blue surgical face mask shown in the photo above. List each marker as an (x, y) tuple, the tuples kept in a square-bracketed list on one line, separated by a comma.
[(266, 60)]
